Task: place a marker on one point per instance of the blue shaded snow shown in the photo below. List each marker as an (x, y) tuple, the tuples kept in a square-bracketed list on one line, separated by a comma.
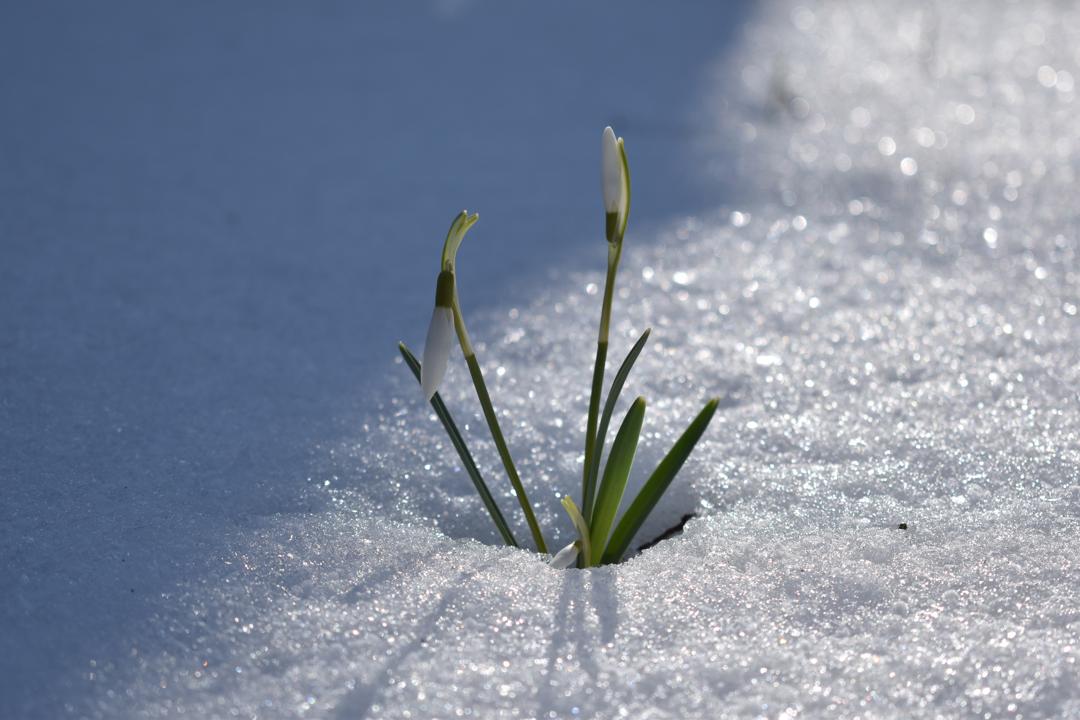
[(223, 497)]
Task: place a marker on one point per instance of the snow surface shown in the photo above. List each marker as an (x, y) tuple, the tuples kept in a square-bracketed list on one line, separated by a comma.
[(224, 498)]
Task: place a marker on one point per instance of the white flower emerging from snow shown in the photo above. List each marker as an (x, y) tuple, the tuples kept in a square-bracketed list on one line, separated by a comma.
[(440, 336), (595, 546), (615, 176), (566, 557), (441, 331)]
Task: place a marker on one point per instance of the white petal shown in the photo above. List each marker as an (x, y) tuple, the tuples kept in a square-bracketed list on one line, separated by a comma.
[(611, 171), (440, 336), (565, 558)]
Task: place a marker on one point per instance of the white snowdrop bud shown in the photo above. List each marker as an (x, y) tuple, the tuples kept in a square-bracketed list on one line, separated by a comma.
[(565, 558), (440, 336), (612, 170), (615, 176)]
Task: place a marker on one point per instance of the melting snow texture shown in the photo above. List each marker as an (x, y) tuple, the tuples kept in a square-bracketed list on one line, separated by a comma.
[(886, 301)]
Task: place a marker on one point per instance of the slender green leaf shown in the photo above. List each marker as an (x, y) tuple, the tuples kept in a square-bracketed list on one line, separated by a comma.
[(617, 470), (463, 452), (609, 406), (500, 444), (584, 543), (656, 485), (588, 479)]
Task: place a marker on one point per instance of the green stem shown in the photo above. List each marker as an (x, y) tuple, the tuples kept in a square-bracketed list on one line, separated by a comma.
[(463, 451), (493, 425), (589, 474)]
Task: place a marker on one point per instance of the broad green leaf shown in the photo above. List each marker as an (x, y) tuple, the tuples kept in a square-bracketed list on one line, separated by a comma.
[(463, 452), (584, 543), (617, 470), (656, 485), (609, 408)]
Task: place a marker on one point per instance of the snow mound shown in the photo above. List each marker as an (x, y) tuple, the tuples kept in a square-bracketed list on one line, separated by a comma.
[(888, 312)]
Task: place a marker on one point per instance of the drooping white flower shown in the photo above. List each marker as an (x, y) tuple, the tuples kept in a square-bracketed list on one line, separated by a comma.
[(615, 182), (565, 558), (440, 337)]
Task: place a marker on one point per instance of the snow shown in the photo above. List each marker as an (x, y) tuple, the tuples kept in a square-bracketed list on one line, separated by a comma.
[(224, 497)]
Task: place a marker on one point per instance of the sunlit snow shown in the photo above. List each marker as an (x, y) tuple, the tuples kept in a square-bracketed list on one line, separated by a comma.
[(881, 286)]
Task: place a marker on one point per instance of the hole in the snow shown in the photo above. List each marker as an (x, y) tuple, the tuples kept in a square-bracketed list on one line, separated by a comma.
[(435, 487), (678, 506), (673, 531)]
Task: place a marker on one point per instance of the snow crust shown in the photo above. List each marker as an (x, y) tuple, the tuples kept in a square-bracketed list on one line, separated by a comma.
[(884, 294)]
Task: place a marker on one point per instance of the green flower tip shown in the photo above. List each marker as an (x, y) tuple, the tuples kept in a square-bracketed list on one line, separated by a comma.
[(455, 235), (444, 289)]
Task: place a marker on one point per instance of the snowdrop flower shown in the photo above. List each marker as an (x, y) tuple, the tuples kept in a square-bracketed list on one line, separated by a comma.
[(441, 331), (440, 336), (615, 175), (601, 492), (566, 557)]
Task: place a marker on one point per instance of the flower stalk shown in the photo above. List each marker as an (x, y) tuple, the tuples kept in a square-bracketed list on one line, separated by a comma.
[(592, 452), (500, 444), (446, 298), (615, 178)]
